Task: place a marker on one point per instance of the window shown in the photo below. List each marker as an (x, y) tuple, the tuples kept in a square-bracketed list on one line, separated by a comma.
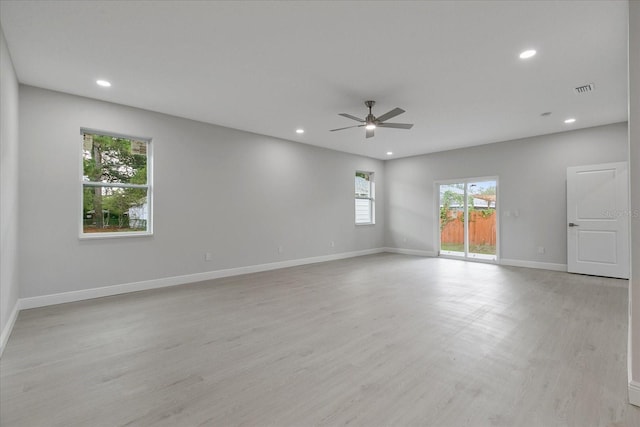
[(116, 190), (468, 218), (365, 196)]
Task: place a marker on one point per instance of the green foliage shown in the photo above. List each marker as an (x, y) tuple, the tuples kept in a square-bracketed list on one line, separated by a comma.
[(107, 160), (110, 159), (473, 249), (447, 199), (87, 200), (450, 197), (486, 213)]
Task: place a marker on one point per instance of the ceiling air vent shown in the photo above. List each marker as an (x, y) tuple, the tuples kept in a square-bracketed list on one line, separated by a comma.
[(584, 89)]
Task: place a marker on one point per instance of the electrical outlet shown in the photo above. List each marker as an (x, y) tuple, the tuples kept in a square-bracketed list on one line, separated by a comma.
[(540, 249), (208, 256), (332, 244), (280, 249), (404, 240)]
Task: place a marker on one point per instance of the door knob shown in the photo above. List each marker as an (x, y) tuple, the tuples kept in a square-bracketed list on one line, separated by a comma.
[(571, 224)]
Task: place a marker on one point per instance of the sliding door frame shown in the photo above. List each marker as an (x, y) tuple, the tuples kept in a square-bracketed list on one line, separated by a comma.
[(437, 233)]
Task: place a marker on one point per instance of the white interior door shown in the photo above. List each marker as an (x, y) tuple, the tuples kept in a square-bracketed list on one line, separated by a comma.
[(598, 220)]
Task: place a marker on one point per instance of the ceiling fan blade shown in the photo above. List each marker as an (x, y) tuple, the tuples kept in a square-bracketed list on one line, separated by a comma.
[(349, 116), (369, 133), (386, 116), (395, 125), (348, 127)]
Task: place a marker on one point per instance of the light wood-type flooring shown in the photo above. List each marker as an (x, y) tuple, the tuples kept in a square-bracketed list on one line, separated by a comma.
[(370, 341)]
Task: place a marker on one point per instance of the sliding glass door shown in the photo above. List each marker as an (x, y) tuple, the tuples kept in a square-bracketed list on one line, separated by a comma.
[(452, 219), (468, 218)]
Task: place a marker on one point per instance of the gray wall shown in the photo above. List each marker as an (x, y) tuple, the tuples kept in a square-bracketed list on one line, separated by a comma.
[(634, 159), (532, 176), (235, 194), (8, 185)]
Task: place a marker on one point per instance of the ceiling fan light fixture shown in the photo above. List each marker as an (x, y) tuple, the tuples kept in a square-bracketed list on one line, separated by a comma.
[(371, 122)]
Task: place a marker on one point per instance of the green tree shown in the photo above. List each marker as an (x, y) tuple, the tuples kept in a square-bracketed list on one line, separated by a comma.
[(108, 160), (447, 199)]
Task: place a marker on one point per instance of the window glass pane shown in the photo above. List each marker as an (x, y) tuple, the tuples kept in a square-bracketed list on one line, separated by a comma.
[(482, 219), (452, 219), (115, 209), (109, 159), (363, 185), (363, 211)]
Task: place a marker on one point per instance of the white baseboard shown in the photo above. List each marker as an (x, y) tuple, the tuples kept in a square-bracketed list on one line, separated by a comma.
[(509, 262), (6, 331), (630, 345), (84, 294), (411, 252), (634, 393), (533, 264)]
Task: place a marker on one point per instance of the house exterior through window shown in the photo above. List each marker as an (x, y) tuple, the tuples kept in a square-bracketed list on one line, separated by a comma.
[(364, 198), (115, 185)]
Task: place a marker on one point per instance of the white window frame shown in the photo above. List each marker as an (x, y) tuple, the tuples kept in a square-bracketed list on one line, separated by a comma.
[(371, 198), (148, 186)]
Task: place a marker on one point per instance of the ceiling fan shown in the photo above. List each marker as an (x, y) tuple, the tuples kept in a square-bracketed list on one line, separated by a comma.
[(372, 122)]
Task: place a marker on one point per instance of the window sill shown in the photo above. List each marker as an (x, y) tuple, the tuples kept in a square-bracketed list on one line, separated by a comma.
[(358, 224), (119, 235)]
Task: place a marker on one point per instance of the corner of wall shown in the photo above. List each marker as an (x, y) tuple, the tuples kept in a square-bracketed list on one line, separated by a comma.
[(8, 327), (634, 167), (9, 146), (634, 393)]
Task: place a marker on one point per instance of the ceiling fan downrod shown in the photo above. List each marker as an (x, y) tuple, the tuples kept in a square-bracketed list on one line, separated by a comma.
[(370, 120)]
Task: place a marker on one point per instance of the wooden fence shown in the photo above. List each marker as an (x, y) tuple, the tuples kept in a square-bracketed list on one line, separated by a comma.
[(482, 228)]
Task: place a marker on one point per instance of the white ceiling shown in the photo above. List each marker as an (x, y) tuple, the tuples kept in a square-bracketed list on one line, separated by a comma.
[(271, 67)]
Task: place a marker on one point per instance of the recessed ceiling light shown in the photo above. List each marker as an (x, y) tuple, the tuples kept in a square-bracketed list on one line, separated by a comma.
[(527, 54), (571, 120), (299, 130), (389, 153), (103, 83)]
